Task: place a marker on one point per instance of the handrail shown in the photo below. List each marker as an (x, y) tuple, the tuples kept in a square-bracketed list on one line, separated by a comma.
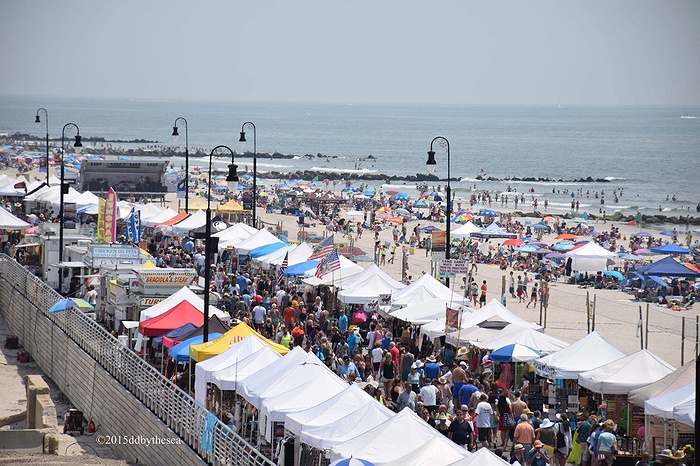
[(179, 411)]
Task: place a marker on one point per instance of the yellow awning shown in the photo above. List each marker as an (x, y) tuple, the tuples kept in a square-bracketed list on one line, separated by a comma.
[(197, 203), (230, 206), (204, 351)]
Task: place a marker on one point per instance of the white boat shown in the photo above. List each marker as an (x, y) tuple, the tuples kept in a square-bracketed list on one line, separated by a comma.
[(689, 117)]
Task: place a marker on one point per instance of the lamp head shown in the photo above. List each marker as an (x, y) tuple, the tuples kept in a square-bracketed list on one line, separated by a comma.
[(232, 178), (175, 133), (78, 144), (37, 120), (242, 139), (431, 163)]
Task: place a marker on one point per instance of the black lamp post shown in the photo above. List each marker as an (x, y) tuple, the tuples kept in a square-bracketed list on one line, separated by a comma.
[(232, 181), (431, 167), (187, 160), (64, 190), (37, 120), (255, 164)]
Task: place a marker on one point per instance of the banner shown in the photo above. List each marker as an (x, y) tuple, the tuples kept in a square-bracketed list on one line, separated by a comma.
[(181, 187), (100, 230), (452, 319), (133, 226), (110, 217)]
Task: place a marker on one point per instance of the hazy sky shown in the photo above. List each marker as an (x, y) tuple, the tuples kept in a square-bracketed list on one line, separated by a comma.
[(484, 52)]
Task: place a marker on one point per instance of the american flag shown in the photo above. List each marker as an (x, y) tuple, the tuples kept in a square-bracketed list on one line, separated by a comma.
[(321, 268), (333, 260), (322, 249), (283, 267)]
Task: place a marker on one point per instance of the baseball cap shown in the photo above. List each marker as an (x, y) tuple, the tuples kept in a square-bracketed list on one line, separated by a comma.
[(537, 444)]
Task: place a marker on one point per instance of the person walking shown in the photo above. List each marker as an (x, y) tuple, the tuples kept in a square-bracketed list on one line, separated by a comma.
[(482, 299)]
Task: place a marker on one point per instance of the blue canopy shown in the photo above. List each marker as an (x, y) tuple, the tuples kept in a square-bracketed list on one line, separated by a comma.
[(300, 268), (402, 196), (181, 330), (267, 249), (669, 249), (652, 281), (667, 267), (181, 351)]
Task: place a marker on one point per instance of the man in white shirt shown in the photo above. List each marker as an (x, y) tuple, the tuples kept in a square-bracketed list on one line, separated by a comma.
[(484, 411), (428, 395), (377, 355), (259, 316)]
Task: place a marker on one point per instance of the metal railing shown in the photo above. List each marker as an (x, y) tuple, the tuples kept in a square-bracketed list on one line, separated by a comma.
[(172, 405)]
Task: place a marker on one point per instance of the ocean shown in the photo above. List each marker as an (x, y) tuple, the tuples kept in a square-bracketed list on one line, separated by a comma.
[(646, 153)]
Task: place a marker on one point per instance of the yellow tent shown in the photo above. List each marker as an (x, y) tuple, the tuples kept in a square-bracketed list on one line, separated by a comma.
[(230, 206), (148, 265), (204, 351), (197, 203)]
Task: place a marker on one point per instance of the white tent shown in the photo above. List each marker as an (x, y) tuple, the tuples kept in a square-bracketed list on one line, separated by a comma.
[(493, 316), (425, 311), (464, 231), (369, 284), (625, 374), (433, 330), (663, 406), (295, 253), (590, 258), (482, 457), (340, 418), (260, 238), (673, 381), (10, 222), (685, 413), (206, 370), (235, 233), (391, 440), (348, 269), (229, 378), (423, 289), (545, 344), (149, 210), (164, 216), (584, 355), (195, 220), (433, 453), (50, 194)]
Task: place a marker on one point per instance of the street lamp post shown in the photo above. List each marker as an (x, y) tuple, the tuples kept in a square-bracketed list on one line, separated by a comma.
[(78, 147), (448, 193), (255, 164), (187, 160), (37, 120), (232, 181)]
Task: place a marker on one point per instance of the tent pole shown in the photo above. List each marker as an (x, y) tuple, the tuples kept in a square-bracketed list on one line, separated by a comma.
[(646, 331), (682, 339), (593, 317), (697, 334), (641, 333), (588, 312)]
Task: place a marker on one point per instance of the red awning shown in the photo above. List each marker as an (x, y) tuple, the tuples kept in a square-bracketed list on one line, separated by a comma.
[(178, 316)]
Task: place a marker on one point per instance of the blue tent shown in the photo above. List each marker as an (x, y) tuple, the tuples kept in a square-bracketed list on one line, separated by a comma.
[(667, 267), (181, 330), (267, 249), (300, 268), (669, 249), (652, 281), (181, 351)]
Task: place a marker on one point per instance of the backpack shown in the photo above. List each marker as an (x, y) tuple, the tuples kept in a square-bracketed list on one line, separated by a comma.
[(561, 441)]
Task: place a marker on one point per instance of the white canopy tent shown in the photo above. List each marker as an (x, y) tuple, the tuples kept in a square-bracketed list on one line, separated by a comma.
[(369, 284), (50, 194), (370, 272), (493, 315), (234, 234), (423, 289), (348, 269), (625, 374), (685, 413), (229, 378), (583, 355), (425, 311), (164, 216), (195, 220), (10, 222), (149, 210), (673, 381), (258, 239), (543, 343), (590, 258), (339, 418), (297, 255), (389, 442), (207, 369), (464, 231), (663, 406), (483, 457)]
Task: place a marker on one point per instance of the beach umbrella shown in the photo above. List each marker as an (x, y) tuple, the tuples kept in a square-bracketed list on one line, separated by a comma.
[(419, 204), (628, 257), (395, 219), (692, 267), (548, 218), (528, 248), (567, 236), (488, 213), (563, 246), (641, 233), (67, 303), (528, 239), (667, 233), (516, 353), (384, 209), (642, 252), (554, 255), (401, 196), (401, 211), (351, 462), (615, 274), (430, 228), (361, 258), (513, 242), (392, 192)]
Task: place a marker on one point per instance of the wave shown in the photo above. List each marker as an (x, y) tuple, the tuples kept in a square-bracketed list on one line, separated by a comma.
[(614, 178), (343, 170)]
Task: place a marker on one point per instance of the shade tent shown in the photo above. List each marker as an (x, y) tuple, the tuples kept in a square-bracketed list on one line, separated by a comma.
[(433, 330), (669, 249), (231, 377), (235, 233), (530, 337), (10, 222), (424, 311), (464, 231), (493, 231), (175, 317), (266, 249), (433, 453), (483, 457), (206, 370), (183, 329), (423, 289), (387, 443), (192, 222), (224, 342), (260, 238), (50, 194), (625, 374), (215, 326), (590, 258), (275, 258), (667, 267), (348, 269), (495, 311), (300, 268), (343, 416), (685, 412), (181, 351), (148, 211), (164, 216), (676, 379), (662, 406), (368, 285), (586, 354)]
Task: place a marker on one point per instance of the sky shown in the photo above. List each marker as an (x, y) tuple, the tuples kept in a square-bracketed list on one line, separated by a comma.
[(514, 52)]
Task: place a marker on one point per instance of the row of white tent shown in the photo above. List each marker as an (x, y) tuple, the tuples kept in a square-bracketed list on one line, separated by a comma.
[(325, 412)]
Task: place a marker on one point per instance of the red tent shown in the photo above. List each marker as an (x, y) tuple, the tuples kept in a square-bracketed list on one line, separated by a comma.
[(177, 316)]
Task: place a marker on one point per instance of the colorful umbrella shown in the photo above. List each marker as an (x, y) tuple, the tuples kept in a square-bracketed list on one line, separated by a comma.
[(67, 303), (395, 219), (419, 204), (516, 353), (384, 209), (401, 196), (351, 462), (568, 236), (548, 219), (513, 242)]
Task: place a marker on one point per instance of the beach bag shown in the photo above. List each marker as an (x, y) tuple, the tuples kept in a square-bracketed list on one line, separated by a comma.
[(561, 441), (575, 453), (508, 421)]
